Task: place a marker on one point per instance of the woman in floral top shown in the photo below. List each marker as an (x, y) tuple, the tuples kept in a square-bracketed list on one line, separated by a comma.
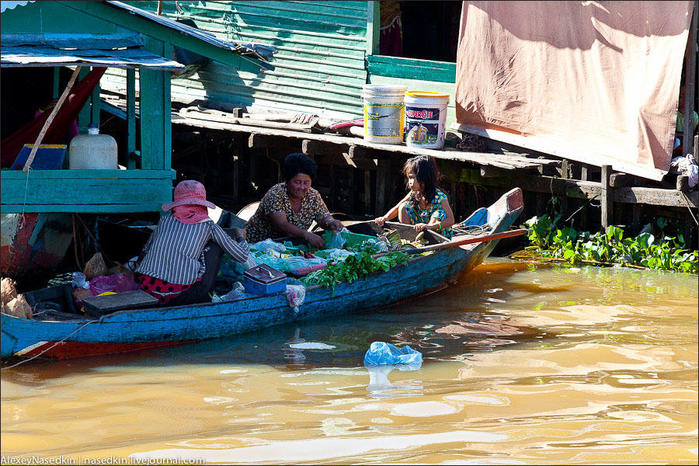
[(426, 207), (289, 208)]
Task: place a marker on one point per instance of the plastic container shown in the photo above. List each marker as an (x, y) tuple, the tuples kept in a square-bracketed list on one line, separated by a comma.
[(263, 279), (93, 150), (425, 117), (384, 113)]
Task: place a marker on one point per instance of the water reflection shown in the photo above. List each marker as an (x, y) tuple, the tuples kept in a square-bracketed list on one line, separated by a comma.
[(381, 387)]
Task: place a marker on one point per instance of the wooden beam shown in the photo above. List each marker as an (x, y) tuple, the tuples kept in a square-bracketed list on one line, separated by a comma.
[(360, 162), (494, 172), (91, 191), (264, 141), (360, 157), (509, 161), (310, 146), (620, 180)]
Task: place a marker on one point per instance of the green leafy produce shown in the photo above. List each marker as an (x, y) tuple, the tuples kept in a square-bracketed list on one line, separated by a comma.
[(611, 246), (354, 267)]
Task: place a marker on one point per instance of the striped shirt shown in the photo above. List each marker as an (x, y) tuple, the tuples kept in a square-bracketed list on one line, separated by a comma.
[(175, 250)]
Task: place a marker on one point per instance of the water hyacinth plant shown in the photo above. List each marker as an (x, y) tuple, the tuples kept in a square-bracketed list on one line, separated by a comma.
[(611, 246)]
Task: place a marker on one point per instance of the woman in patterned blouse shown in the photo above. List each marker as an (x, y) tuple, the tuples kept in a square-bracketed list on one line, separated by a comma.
[(289, 208), (426, 207)]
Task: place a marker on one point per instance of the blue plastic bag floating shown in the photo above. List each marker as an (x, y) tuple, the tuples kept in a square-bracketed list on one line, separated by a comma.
[(381, 353)]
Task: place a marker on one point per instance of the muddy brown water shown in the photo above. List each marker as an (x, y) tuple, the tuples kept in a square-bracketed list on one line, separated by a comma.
[(523, 364)]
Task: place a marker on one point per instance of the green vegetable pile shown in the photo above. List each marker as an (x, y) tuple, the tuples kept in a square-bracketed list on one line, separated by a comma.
[(611, 246), (354, 267)]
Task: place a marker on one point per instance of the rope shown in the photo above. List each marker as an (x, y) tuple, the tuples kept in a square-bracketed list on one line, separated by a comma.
[(52, 346), (474, 230), (689, 207)]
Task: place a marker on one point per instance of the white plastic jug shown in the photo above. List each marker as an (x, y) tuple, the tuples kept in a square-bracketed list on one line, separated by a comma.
[(93, 150)]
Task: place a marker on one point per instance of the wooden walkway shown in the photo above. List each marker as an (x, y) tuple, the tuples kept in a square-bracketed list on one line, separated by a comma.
[(537, 173)]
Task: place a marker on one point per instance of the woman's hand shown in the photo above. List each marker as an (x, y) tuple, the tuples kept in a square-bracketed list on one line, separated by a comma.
[(314, 240), (421, 227), (335, 225), (380, 221), (239, 234)]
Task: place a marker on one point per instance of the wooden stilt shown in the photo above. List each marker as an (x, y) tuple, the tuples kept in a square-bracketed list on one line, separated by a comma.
[(607, 197)]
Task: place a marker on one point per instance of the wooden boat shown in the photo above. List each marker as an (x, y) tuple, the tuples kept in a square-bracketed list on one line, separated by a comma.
[(62, 334)]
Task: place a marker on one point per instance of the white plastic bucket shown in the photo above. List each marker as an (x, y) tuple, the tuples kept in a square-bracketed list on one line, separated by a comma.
[(383, 113), (425, 117), (93, 150)]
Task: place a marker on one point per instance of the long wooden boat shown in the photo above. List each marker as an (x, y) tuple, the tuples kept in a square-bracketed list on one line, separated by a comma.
[(61, 334)]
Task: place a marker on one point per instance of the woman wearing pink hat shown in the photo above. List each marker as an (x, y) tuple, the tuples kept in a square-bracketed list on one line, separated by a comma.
[(182, 256)]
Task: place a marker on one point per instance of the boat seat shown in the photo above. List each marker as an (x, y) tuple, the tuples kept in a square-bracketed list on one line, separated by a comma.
[(98, 306)]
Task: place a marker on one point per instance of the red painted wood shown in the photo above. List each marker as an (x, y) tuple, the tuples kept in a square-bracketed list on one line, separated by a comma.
[(71, 350)]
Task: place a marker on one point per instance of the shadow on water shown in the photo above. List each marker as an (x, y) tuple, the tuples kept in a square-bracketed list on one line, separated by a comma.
[(447, 325)]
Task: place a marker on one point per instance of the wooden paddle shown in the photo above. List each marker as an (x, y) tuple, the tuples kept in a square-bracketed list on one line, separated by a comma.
[(301, 271), (469, 240)]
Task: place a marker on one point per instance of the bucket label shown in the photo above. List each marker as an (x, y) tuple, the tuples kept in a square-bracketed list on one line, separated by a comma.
[(418, 113), (383, 120), (422, 126), (420, 133)]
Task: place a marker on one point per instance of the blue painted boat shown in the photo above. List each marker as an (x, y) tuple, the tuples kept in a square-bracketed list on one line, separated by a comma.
[(67, 335)]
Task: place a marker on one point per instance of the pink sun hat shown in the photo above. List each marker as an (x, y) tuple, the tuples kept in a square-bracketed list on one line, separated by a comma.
[(189, 192)]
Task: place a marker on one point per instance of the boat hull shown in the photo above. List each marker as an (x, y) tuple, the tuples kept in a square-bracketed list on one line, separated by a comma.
[(137, 329)]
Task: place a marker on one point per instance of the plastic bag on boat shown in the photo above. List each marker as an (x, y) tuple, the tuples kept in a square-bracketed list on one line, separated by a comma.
[(381, 353), (237, 292), (336, 241), (295, 294), (335, 254), (117, 283), (287, 264), (267, 245), (80, 281)]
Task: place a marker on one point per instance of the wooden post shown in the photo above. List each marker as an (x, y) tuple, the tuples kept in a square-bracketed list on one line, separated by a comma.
[(636, 218), (49, 120), (367, 191), (584, 175), (381, 183), (607, 197), (131, 118), (689, 85)]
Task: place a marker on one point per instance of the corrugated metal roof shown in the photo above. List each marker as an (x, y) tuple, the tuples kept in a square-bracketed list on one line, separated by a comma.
[(28, 56), (263, 52), (10, 5)]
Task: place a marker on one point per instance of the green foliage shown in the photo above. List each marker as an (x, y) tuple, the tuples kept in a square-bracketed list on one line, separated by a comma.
[(354, 267), (611, 246)]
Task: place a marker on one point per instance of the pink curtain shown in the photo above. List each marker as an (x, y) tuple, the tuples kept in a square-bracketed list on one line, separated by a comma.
[(596, 82)]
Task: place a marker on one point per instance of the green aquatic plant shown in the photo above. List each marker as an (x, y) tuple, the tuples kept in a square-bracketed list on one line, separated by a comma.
[(611, 246)]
